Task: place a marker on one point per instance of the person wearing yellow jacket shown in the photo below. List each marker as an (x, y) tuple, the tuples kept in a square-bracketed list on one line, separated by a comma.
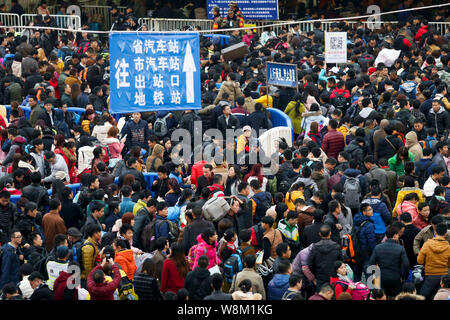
[(294, 110), (243, 140), (264, 98), (296, 192), (435, 256)]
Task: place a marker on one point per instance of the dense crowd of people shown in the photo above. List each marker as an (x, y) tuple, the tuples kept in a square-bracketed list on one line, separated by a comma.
[(356, 206)]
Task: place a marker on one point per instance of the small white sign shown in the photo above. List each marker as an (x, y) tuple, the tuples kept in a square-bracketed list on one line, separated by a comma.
[(336, 47)]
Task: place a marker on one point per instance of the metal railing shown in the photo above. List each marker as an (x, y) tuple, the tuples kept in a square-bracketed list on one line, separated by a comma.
[(62, 21), (100, 15), (10, 19)]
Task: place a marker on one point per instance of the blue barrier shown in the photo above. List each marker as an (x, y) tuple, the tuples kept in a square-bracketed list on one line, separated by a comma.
[(16, 198), (224, 39), (280, 119)]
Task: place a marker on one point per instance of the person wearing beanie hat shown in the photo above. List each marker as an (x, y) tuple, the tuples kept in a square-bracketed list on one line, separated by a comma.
[(54, 268)]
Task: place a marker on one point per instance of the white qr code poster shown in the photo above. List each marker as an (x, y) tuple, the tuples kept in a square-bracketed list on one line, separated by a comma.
[(335, 47)]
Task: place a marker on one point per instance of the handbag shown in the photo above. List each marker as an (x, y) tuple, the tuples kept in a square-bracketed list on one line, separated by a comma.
[(264, 268)]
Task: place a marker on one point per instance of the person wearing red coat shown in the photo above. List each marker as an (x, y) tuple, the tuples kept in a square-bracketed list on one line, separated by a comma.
[(333, 141), (60, 285), (423, 29), (174, 270), (98, 288)]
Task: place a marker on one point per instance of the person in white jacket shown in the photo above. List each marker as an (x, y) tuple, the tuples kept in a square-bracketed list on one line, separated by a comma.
[(101, 130), (57, 164), (85, 154)]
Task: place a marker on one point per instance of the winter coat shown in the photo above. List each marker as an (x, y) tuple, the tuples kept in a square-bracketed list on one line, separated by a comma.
[(423, 170), (10, 265), (398, 166), (355, 151), (255, 279), (442, 294), (90, 253), (85, 156), (420, 222), (232, 88), (258, 120), (103, 291), (401, 195), (171, 280), (137, 134), (320, 181), (345, 221), (439, 120), (355, 173), (423, 236), (60, 290), (384, 148), (366, 234), (207, 249), (146, 287), (59, 165), (101, 132), (296, 119), (392, 260), (36, 193), (193, 230), (322, 257), (333, 143), (17, 147), (413, 146), (378, 174), (435, 255), (114, 147), (277, 286), (125, 259), (198, 283), (310, 117), (406, 206), (381, 215), (52, 224)]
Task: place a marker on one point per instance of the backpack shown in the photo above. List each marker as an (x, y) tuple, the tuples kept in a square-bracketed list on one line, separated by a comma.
[(234, 264), (340, 101), (350, 245), (192, 254), (361, 292), (262, 205), (160, 126), (215, 209), (257, 235), (126, 288), (174, 232), (352, 192), (148, 237)]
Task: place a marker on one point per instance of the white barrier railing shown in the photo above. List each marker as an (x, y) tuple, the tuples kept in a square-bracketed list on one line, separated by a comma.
[(175, 24), (63, 21), (10, 19)]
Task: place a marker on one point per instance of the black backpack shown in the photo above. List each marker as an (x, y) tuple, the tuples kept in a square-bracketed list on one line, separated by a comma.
[(340, 101)]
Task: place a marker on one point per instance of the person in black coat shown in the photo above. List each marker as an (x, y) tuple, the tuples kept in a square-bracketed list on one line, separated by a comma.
[(198, 281), (131, 169), (227, 121), (70, 212), (26, 223), (146, 283), (192, 230), (161, 185), (332, 220), (8, 213), (258, 119), (393, 262), (49, 115), (388, 146), (408, 238), (41, 290), (310, 234), (323, 255)]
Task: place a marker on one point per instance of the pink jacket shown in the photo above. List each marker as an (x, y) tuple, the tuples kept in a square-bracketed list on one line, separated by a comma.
[(114, 147), (209, 250), (407, 206)]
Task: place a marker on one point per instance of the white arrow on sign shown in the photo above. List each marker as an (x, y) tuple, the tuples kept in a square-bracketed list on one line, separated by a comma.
[(189, 69)]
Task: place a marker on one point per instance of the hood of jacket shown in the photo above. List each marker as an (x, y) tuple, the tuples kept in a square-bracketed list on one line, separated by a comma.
[(350, 172), (111, 140), (409, 296), (26, 165), (280, 280), (439, 245), (360, 218), (230, 85), (312, 114), (127, 255), (317, 176), (307, 181), (411, 139), (352, 146), (441, 110), (201, 273)]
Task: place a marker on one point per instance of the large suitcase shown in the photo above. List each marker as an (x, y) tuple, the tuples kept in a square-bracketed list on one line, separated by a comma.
[(236, 51)]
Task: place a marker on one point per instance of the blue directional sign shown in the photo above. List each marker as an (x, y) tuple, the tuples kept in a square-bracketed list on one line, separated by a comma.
[(251, 9), (154, 71), (282, 74)]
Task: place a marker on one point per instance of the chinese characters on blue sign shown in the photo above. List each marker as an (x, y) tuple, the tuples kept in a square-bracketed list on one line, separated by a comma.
[(282, 74), (251, 9), (154, 71)]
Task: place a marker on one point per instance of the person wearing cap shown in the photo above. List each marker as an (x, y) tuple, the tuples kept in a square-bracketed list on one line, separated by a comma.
[(74, 237), (48, 115), (233, 6), (54, 268)]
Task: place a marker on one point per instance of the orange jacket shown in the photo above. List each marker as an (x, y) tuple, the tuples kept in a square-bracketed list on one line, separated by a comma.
[(125, 259)]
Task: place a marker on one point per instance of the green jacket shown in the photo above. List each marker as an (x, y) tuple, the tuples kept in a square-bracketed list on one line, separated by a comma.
[(398, 167), (138, 206), (296, 119)]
